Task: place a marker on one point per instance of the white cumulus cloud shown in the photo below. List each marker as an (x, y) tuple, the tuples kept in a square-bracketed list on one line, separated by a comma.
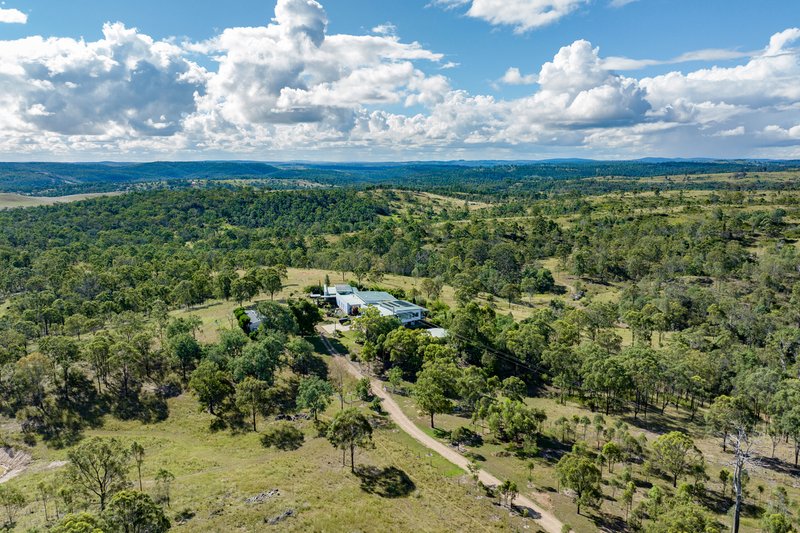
[(290, 88), (523, 15), (513, 76), (12, 16)]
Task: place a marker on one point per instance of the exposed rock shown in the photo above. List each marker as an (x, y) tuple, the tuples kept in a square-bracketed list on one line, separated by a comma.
[(264, 496), (12, 463), (280, 518)]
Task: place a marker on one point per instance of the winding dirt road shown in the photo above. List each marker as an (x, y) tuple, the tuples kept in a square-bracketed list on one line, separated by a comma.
[(544, 519)]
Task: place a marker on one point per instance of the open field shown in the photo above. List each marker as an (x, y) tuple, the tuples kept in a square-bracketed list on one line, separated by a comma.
[(11, 200)]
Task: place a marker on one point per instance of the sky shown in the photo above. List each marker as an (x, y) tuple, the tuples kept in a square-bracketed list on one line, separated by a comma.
[(389, 80)]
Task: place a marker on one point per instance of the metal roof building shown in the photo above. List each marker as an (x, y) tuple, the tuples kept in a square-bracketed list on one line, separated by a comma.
[(350, 300)]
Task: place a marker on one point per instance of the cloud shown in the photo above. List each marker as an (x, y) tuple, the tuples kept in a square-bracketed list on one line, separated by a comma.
[(767, 79), (125, 83), (12, 16), (513, 76), (706, 55), (291, 71), (386, 28), (620, 3), (291, 89), (735, 132), (523, 15)]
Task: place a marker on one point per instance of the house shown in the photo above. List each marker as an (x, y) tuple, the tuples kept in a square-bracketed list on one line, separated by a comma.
[(351, 301)]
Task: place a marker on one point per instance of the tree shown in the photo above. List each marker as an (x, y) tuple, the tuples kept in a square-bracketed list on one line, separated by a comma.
[(777, 523), (99, 467), (301, 353), (131, 511), (726, 414), (259, 359), (510, 291), (627, 497), (370, 325), (612, 454), (724, 478), (511, 420), (314, 394), (674, 453), (684, 518), (741, 453), (432, 386), (212, 385), (63, 352), (432, 287), (350, 429), (164, 479), (251, 393), (395, 376), (80, 523), (271, 282), (580, 474), (277, 318), (186, 350), (508, 490), (243, 289), (12, 499), (306, 314), (137, 452)]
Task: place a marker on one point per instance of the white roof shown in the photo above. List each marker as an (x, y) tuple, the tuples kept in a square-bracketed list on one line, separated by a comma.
[(437, 333), (351, 299)]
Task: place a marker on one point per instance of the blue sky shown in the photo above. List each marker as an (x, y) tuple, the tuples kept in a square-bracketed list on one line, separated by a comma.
[(398, 80)]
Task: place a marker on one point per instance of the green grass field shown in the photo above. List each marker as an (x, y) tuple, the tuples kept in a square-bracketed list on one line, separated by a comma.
[(11, 200)]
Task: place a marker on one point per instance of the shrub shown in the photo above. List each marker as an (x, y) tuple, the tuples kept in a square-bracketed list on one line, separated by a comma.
[(363, 390), (375, 405), (467, 437), (312, 289)]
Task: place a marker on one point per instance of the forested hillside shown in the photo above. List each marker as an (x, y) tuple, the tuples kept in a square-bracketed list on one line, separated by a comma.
[(486, 177), (625, 354)]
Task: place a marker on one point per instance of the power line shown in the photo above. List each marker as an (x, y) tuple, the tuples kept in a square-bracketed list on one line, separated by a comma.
[(503, 355)]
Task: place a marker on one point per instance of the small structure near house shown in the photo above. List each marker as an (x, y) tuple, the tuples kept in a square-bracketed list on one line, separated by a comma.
[(351, 301), (255, 319), (437, 333)]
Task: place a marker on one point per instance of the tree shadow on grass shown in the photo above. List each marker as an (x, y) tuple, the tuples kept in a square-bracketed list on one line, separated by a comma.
[(340, 348), (608, 522), (389, 482), (780, 466)]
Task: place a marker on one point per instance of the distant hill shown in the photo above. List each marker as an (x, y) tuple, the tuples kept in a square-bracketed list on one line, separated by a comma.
[(56, 179), (51, 178)]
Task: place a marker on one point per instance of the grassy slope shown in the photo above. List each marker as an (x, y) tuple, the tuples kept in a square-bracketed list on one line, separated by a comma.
[(543, 478), (9, 200), (216, 472)]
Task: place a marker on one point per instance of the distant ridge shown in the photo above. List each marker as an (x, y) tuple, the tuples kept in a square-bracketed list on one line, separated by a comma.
[(68, 178)]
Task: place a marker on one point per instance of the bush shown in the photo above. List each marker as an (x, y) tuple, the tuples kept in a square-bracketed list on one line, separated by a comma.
[(171, 387), (467, 437), (375, 405), (283, 436), (363, 390), (312, 289)]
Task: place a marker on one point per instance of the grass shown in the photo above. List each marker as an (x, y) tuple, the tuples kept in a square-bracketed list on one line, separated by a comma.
[(11, 200), (217, 471)]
